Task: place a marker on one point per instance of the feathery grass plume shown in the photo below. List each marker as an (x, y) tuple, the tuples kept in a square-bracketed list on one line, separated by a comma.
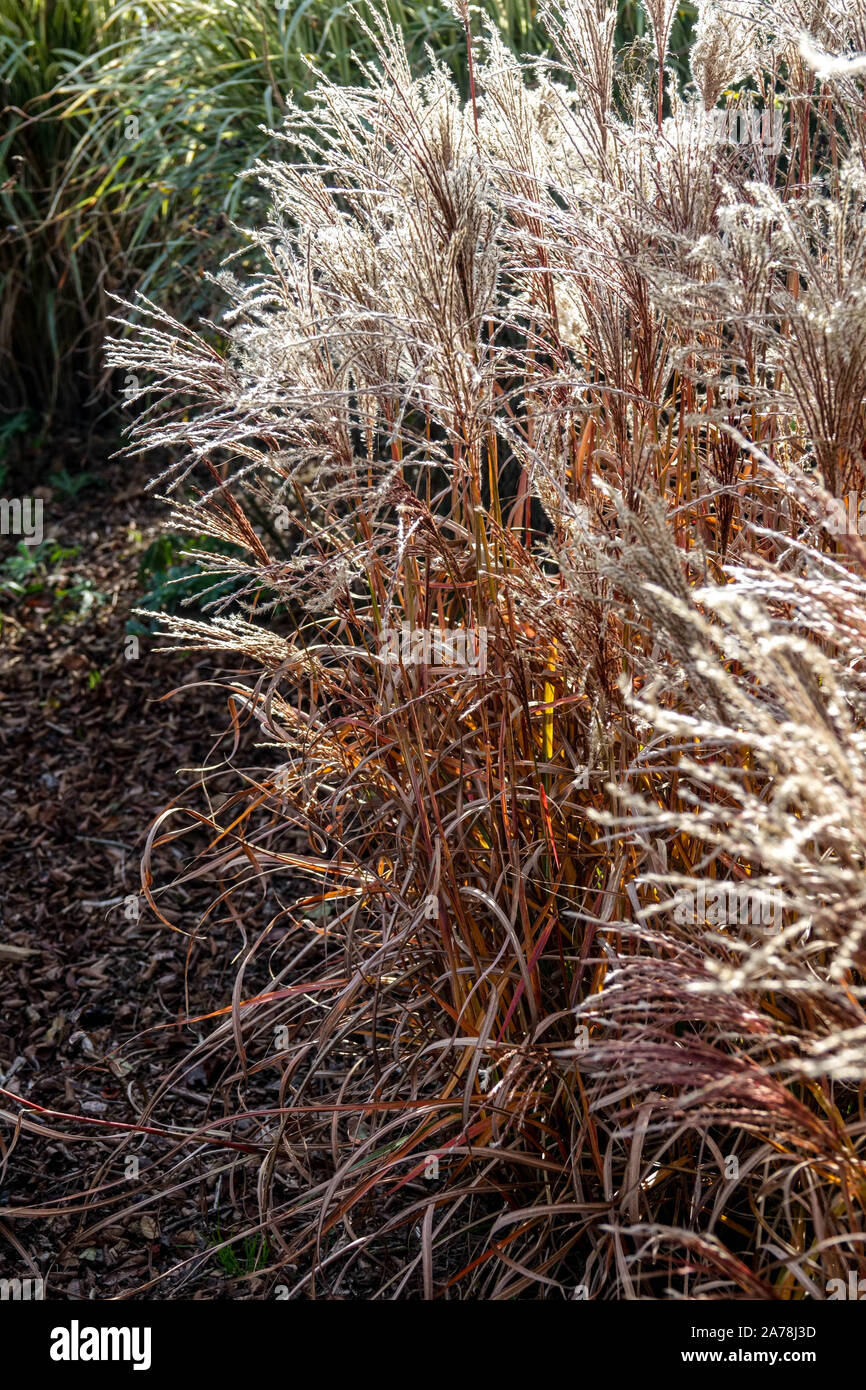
[(125, 125), (583, 33), (723, 51), (571, 994), (826, 65), (660, 17), (748, 1012)]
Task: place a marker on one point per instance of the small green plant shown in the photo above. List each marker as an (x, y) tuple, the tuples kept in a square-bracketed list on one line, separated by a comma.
[(244, 1257), (31, 571), (73, 603), (70, 484), (11, 428), (18, 570), (172, 583)]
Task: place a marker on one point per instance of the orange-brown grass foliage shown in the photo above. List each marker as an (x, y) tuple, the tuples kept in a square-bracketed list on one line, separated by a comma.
[(573, 372)]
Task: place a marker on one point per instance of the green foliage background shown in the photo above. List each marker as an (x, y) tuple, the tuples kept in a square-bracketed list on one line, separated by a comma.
[(124, 127)]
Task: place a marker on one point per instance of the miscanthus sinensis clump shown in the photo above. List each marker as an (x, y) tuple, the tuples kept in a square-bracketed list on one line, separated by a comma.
[(572, 370)]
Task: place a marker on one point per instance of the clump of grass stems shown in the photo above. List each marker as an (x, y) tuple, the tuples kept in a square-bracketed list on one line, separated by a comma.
[(124, 127), (544, 365)]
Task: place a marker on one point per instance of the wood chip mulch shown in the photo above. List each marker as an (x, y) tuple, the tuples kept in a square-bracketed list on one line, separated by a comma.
[(89, 754)]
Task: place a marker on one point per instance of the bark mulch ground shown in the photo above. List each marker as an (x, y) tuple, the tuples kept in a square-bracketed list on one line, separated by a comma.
[(91, 987)]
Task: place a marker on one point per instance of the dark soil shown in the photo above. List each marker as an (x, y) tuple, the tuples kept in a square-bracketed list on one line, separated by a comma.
[(93, 986)]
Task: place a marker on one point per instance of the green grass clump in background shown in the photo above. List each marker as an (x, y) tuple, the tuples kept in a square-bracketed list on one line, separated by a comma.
[(125, 126)]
